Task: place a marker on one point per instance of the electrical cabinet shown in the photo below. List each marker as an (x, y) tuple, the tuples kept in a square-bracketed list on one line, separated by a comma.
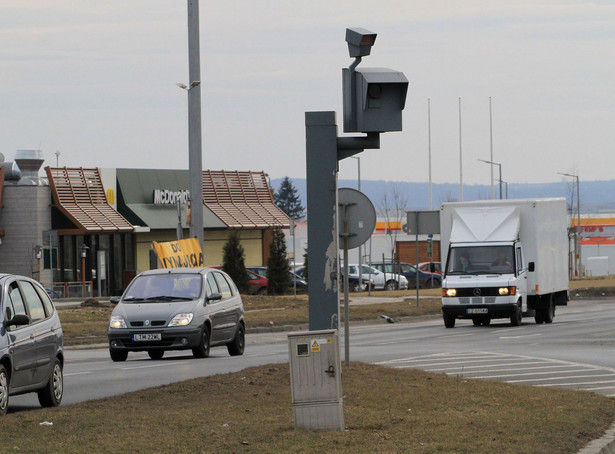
[(315, 379)]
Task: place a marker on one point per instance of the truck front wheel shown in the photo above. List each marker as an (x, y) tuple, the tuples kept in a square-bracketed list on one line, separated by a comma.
[(515, 318), (449, 320)]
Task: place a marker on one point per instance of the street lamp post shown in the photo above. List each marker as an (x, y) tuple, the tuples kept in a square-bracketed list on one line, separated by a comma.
[(578, 229), (195, 156), (500, 170)]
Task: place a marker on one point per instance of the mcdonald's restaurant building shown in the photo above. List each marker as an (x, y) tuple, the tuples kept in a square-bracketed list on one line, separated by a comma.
[(93, 228)]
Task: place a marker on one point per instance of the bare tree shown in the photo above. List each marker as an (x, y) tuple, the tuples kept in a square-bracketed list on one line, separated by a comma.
[(393, 207)]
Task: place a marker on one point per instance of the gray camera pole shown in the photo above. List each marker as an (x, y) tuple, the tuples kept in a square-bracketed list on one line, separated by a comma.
[(321, 176)]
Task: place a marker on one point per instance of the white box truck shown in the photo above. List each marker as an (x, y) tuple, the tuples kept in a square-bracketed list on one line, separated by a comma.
[(504, 259)]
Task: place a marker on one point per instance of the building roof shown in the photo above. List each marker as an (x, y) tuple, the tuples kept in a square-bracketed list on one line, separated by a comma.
[(79, 194), (242, 199)]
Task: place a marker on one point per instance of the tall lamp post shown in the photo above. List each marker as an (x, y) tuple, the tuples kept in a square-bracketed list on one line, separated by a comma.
[(578, 229), (500, 170), (195, 155)]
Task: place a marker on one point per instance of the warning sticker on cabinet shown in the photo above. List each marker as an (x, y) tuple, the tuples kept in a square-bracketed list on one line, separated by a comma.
[(316, 343)]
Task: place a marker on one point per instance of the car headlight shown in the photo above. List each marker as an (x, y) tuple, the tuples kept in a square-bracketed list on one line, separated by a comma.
[(117, 321), (181, 320), (449, 292)]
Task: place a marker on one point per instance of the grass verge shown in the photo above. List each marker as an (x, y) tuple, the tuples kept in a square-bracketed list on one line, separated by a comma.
[(386, 410), (88, 324)]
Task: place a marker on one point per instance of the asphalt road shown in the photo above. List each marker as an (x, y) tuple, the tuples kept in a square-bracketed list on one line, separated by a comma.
[(575, 351)]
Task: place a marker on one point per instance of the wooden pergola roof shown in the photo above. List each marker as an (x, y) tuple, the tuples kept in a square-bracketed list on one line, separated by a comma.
[(242, 199), (79, 194)]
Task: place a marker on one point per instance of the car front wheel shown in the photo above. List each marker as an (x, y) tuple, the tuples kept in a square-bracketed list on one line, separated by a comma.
[(4, 390), (118, 355), (202, 351), (51, 394)]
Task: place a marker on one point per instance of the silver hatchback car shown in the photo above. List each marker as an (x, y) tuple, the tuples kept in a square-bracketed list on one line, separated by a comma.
[(177, 309), (31, 342)]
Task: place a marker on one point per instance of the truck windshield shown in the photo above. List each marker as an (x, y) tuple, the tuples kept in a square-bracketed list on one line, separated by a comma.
[(480, 260)]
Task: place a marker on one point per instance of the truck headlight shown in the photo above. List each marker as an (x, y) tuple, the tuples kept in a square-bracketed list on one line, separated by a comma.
[(507, 290), (181, 320), (117, 321), (448, 292)]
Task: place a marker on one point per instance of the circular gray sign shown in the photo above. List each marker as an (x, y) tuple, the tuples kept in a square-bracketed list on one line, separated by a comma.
[(356, 212)]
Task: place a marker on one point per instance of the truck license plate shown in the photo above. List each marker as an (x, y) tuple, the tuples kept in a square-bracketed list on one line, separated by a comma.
[(477, 310), (147, 337)]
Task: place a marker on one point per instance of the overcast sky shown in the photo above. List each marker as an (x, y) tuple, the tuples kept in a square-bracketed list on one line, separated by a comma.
[(95, 80)]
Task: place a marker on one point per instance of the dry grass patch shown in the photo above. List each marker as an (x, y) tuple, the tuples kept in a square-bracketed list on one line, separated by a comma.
[(386, 410)]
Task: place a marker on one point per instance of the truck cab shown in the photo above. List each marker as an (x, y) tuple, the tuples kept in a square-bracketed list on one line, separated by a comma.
[(483, 276)]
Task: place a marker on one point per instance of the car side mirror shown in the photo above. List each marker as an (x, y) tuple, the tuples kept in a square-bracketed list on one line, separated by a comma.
[(213, 297), (18, 320), (531, 267), (114, 299)]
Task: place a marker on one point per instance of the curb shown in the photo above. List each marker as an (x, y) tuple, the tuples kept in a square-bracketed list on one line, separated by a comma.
[(602, 445)]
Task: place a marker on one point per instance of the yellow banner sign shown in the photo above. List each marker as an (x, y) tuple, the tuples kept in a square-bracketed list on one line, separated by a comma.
[(179, 254)]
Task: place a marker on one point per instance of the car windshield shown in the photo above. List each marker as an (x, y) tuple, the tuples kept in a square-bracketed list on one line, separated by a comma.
[(480, 260), (164, 287)]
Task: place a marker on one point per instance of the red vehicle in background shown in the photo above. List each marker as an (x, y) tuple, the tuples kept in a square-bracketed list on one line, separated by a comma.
[(258, 284), (431, 267)]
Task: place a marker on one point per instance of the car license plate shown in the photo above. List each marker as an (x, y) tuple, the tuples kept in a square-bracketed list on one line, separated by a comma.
[(147, 337), (478, 310)]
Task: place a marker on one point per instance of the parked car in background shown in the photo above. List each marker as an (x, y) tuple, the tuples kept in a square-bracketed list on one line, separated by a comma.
[(426, 280), (177, 309), (258, 284), (431, 267), (378, 281), (353, 281), (262, 271), (31, 343)]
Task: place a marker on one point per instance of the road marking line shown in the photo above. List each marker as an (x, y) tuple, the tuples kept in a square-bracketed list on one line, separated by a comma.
[(570, 384), (154, 365), (541, 373), (503, 370), (524, 336), (600, 387), (77, 373), (456, 335)]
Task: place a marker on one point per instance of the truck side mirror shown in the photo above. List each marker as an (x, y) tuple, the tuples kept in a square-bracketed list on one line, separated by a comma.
[(373, 102), (531, 267)]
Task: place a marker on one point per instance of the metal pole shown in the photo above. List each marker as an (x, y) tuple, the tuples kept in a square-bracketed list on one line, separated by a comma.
[(358, 158), (429, 150), (346, 302), (500, 167), (195, 157), (83, 275), (578, 225), (491, 153), (292, 225), (460, 158), (416, 214)]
